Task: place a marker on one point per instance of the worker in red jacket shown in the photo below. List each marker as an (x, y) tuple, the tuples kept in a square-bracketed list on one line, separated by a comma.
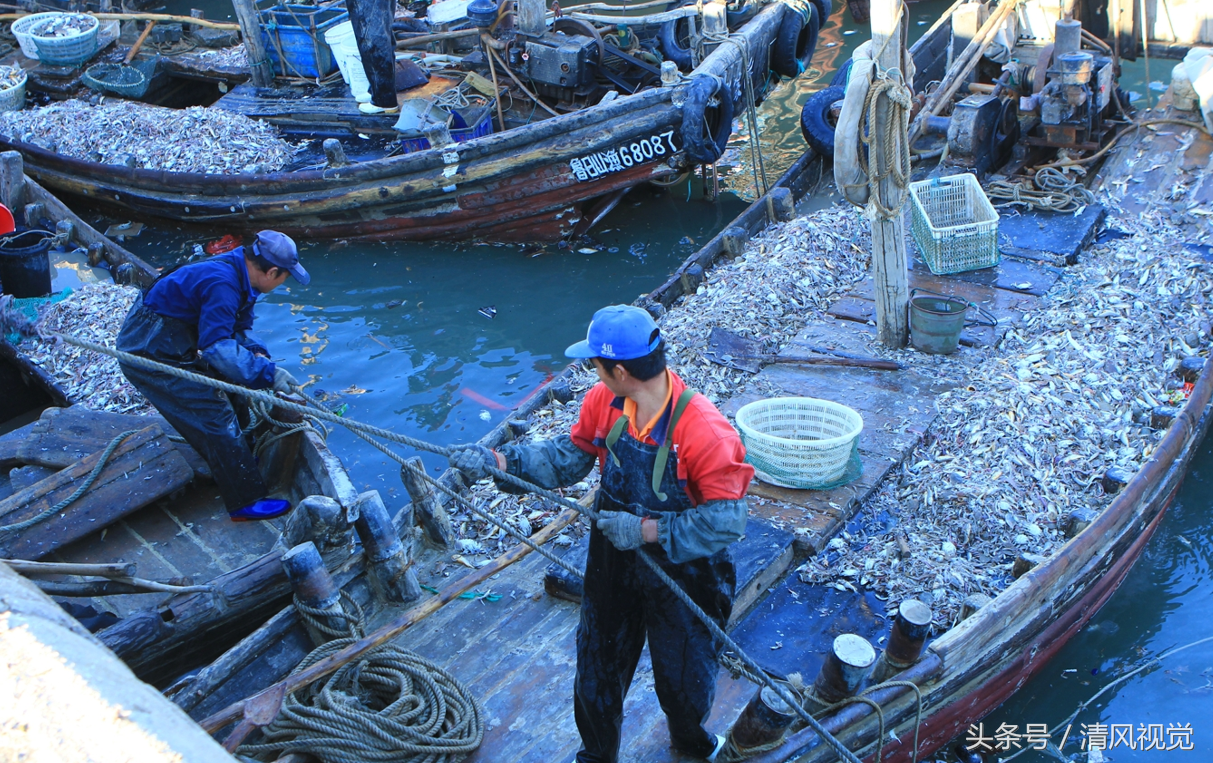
[(673, 483)]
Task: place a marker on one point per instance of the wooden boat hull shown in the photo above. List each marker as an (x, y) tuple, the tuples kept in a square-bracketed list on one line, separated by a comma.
[(985, 659), (526, 184)]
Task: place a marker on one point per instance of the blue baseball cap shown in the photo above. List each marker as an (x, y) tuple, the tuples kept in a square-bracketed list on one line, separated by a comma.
[(280, 250), (618, 332)]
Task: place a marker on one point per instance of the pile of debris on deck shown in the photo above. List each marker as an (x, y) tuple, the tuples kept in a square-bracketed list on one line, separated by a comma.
[(94, 312), (1047, 426)]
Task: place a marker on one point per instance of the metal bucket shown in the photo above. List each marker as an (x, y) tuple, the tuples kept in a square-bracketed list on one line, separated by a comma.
[(936, 321), (25, 265)]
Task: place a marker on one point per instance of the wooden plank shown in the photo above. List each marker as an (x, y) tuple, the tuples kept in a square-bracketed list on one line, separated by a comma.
[(1011, 274), (143, 469), (864, 311), (65, 435), (25, 476), (1005, 305)]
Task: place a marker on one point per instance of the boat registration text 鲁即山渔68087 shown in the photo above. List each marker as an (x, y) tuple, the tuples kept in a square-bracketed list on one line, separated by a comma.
[(601, 163)]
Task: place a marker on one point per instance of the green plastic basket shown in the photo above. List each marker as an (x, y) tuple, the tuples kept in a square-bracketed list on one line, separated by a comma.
[(954, 224)]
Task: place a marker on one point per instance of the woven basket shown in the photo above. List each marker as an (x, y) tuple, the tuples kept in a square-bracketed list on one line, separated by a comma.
[(13, 99), (954, 224), (118, 79), (798, 442), (67, 51), (21, 29)]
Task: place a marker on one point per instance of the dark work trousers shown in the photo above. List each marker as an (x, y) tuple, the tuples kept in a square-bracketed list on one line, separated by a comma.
[(203, 415), (623, 603), (372, 22)]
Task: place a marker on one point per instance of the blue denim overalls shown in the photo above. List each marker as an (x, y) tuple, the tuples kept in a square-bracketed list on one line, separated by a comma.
[(623, 602)]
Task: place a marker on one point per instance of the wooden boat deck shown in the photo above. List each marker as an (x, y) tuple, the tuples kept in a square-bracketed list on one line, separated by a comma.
[(518, 654)]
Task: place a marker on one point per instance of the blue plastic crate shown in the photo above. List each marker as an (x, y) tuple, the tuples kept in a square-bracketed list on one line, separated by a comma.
[(474, 122), (296, 33)]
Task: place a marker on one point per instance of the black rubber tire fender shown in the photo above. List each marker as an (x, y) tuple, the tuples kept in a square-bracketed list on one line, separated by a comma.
[(671, 47), (814, 120), (697, 118), (843, 74), (795, 42)]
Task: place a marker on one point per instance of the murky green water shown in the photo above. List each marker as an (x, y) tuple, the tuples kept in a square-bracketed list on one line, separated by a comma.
[(396, 332)]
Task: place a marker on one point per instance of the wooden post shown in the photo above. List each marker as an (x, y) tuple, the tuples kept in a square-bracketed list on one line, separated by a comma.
[(531, 17), (426, 506), (250, 30), (389, 557), (848, 661), (12, 181), (334, 153), (891, 283), (314, 588)]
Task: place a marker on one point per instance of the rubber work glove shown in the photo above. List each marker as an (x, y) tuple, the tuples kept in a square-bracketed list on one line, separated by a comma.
[(283, 381), (474, 461), (621, 528)]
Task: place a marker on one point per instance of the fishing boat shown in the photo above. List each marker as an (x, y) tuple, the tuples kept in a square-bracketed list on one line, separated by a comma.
[(516, 654), (590, 110), (146, 553)]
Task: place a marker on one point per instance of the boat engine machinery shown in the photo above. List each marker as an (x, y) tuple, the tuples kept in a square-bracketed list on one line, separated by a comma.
[(1078, 92), (561, 66), (982, 132)]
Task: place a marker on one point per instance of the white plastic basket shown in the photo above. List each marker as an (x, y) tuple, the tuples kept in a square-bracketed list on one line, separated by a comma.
[(954, 224), (21, 29), (13, 99), (799, 442)]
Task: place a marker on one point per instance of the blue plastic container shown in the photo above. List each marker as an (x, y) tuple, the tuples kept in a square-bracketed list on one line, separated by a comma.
[(475, 122), (294, 38)]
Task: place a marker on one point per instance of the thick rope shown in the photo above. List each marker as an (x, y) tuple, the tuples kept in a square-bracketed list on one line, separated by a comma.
[(717, 632), (1050, 190), (75, 496), (392, 706), (888, 84)]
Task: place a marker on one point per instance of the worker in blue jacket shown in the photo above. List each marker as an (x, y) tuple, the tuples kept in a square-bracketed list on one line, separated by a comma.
[(200, 317)]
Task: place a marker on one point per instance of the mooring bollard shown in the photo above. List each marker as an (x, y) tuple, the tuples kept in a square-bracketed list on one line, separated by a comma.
[(910, 628), (391, 560), (314, 588), (764, 721), (318, 519), (427, 508), (846, 665)]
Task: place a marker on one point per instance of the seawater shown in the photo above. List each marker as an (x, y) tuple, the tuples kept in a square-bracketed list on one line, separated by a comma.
[(395, 332)]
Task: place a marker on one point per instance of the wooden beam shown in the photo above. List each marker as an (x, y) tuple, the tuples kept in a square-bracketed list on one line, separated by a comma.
[(26, 568), (143, 468), (12, 181), (162, 17), (531, 16), (888, 235), (250, 29)]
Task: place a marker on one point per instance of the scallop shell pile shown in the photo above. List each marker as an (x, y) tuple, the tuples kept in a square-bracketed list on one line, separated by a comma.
[(210, 141), (94, 312)]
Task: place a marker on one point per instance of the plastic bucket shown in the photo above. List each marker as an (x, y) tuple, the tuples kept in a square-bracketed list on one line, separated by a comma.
[(936, 323), (349, 60), (25, 265)]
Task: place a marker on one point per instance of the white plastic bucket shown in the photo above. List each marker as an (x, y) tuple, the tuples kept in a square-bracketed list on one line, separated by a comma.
[(349, 61)]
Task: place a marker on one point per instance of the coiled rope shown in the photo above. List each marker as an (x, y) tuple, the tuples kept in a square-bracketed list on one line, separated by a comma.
[(888, 84), (22, 324), (75, 496), (392, 706), (1049, 190)]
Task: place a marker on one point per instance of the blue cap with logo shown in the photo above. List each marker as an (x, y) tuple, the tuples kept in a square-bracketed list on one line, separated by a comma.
[(280, 250), (618, 332)]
